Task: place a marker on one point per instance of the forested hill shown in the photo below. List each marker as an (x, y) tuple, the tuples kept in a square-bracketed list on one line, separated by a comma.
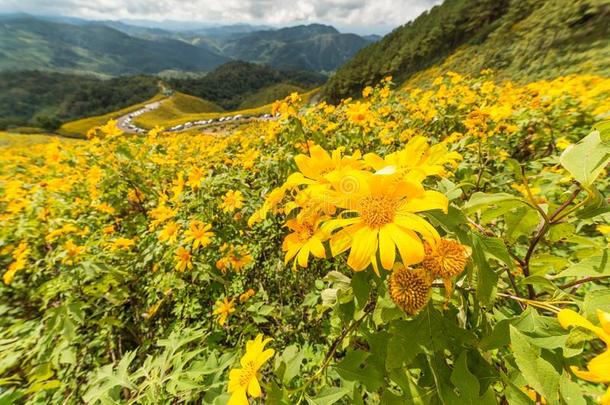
[(521, 39), (232, 83)]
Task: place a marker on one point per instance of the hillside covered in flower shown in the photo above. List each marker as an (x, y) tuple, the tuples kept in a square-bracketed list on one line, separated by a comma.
[(437, 245)]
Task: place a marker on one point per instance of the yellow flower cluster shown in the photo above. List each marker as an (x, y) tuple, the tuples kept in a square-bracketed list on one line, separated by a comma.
[(367, 204)]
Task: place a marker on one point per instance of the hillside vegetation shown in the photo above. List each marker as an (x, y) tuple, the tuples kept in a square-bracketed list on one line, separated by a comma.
[(521, 39), (270, 94), (232, 83), (48, 99)]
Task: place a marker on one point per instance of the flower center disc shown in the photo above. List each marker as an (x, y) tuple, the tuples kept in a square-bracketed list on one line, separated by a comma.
[(377, 211)]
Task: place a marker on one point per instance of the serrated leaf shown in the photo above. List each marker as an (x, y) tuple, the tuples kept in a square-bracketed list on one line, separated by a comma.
[(539, 373), (586, 159)]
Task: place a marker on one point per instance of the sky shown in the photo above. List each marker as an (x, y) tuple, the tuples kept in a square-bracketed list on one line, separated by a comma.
[(359, 16)]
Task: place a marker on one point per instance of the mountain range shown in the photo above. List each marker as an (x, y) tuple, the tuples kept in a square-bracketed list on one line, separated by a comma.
[(115, 48)]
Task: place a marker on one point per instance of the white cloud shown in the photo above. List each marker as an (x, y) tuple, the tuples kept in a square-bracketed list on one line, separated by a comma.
[(361, 15)]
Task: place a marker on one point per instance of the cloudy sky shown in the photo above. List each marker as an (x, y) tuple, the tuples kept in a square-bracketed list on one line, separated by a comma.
[(362, 16)]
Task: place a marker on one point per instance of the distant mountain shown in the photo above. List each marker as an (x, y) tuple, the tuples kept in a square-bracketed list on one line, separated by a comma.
[(519, 39), (233, 83), (116, 47), (32, 43), (313, 47)]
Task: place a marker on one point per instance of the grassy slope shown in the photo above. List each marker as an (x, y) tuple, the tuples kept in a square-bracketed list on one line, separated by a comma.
[(269, 95), (179, 105), (153, 118), (80, 127)]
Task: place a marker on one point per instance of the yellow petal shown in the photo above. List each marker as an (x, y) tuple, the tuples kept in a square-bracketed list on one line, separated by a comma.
[(254, 389), (238, 397), (416, 223), (387, 249), (408, 243), (567, 318), (586, 375), (605, 399), (600, 366), (431, 200), (303, 256), (363, 247), (317, 248)]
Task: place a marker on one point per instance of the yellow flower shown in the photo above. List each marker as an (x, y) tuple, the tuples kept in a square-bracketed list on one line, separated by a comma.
[(306, 238), (111, 129), (359, 113), (232, 200), (122, 243), (598, 369), (72, 251), (195, 177), (161, 214), (409, 288), (417, 159), (604, 229), (368, 90), (247, 295), (169, 233), (223, 309), (183, 257), (20, 255), (385, 205), (319, 163), (562, 143), (244, 381), (199, 233), (109, 230)]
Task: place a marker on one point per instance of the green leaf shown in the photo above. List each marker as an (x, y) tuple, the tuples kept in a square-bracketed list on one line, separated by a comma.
[(496, 248), (594, 300), (571, 393), (586, 159), (487, 279), (290, 363), (328, 396), (538, 372), (354, 367), (465, 381), (590, 267), (482, 200)]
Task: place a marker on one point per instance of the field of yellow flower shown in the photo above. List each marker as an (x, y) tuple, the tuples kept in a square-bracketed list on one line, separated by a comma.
[(440, 245)]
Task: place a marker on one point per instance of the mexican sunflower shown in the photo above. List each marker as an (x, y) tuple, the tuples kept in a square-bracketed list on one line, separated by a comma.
[(306, 238), (380, 216), (245, 379), (598, 369)]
